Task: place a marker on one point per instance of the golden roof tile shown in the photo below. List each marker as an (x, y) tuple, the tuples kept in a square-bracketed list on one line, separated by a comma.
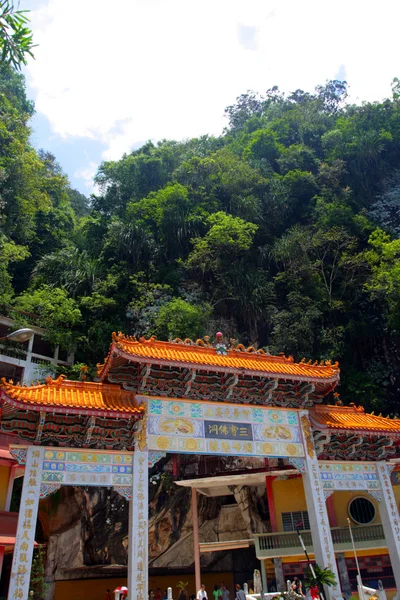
[(78, 396), (351, 418), (186, 352)]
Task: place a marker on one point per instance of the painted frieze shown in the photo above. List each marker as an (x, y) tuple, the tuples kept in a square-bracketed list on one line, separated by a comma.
[(213, 428), (83, 467), (349, 476)]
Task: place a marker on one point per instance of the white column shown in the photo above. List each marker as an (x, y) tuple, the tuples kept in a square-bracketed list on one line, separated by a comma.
[(317, 513), (390, 520), (138, 527), (29, 366), (23, 549)]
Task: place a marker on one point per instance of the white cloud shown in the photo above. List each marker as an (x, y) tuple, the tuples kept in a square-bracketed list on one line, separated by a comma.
[(138, 69), (87, 174)]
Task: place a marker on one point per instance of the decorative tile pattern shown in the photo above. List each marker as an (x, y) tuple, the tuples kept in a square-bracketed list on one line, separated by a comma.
[(89, 468), (349, 476), (377, 494), (299, 464), (19, 454), (154, 457), (48, 488), (328, 493), (226, 429), (126, 492)]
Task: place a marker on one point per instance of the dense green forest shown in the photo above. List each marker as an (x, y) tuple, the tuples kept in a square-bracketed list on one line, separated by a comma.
[(283, 232)]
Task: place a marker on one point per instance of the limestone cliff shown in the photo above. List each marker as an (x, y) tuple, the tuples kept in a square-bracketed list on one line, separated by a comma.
[(88, 527)]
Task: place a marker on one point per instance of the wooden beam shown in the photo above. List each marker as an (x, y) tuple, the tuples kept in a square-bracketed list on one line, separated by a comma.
[(196, 548)]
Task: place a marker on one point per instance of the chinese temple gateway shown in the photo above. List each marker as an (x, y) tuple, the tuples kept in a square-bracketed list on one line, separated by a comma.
[(323, 461)]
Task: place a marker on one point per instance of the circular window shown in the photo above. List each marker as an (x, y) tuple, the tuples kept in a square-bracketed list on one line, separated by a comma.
[(362, 511)]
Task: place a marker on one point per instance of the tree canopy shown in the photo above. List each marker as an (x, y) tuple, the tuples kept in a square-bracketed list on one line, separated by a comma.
[(16, 41), (283, 232)]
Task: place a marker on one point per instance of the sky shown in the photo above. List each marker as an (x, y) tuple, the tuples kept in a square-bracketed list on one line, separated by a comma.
[(108, 76)]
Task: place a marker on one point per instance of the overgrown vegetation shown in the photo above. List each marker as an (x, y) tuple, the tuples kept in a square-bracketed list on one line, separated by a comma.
[(282, 232), (37, 583)]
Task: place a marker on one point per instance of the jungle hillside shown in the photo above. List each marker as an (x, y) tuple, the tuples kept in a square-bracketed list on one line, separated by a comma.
[(283, 233)]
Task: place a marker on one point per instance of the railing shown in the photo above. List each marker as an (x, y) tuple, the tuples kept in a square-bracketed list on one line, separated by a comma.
[(362, 533), (21, 354), (269, 545), (11, 351), (279, 541)]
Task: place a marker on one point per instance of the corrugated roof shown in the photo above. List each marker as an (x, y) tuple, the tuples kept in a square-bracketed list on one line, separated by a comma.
[(61, 393)]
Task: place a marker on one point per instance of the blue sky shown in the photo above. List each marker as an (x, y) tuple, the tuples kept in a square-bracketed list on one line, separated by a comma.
[(108, 77), (74, 154)]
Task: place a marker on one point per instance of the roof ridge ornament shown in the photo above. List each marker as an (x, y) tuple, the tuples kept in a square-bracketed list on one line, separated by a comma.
[(55, 382), (222, 348)]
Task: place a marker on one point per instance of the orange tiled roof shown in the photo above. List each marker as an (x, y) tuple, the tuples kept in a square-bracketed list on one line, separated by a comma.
[(81, 395), (201, 353), (351, 417)]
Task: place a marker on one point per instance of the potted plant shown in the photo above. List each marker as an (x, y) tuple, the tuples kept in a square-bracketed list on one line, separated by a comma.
[(182, 590), (320, 577)]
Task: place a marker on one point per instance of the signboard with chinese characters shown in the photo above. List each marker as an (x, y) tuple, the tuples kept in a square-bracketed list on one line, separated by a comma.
[(349, 476), (227, 429)]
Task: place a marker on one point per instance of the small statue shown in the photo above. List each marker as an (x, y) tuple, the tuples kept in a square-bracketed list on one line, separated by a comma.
[(220, 347)]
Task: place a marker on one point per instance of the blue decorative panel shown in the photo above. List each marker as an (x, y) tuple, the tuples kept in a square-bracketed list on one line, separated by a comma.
[(83, 467), (349, 476), (229, 429)]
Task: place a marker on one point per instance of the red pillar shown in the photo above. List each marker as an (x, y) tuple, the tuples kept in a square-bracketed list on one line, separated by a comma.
[(280, 580), (11, 478), (331, 511), (2, 548), (271, 505), (176, 465)]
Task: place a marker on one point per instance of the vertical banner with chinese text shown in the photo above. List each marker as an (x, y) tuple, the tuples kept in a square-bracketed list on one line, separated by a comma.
[(390, 518), (24, 542), (138, 523), (316, 507)]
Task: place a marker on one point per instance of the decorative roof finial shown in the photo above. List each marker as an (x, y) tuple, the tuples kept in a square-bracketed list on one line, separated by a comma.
[(220, 347)]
